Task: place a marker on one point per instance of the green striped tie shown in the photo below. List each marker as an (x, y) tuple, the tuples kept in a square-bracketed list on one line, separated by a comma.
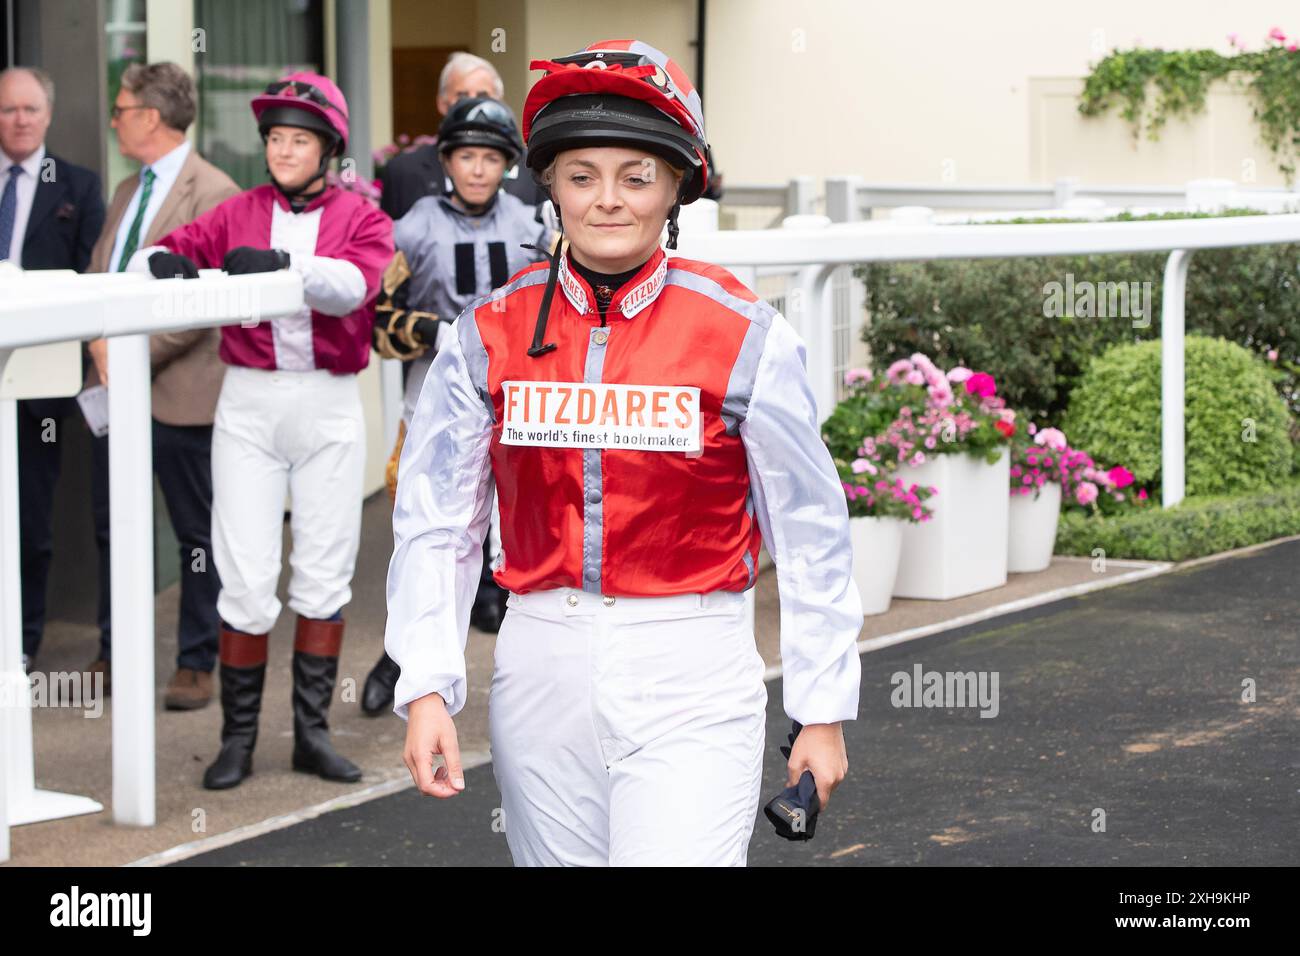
[(133, 237)]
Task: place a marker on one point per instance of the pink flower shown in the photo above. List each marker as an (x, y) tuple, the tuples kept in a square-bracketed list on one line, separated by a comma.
[(1053, 438), (1291, 47), (914, 377), (1086, 493), (1032, 428), (855, 375), (926, 367), (959, 374), (1142, 494), (917, 459), (941, 394), (1120, 476), (896, 371), (930, 442), (981, 384), (1276, 34), (1232, 39), (1272, 355), (1007, 415)]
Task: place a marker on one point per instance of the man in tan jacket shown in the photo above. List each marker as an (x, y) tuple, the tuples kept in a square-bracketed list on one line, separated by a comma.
[(153, 108)]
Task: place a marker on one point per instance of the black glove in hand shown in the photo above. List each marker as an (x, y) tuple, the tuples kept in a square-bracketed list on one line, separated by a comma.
[(794, 810), (426, 329), (244, 260), (169, 265)]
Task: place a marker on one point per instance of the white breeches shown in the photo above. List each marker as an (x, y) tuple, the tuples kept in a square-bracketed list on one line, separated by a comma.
[(627, 733), (275, 432)]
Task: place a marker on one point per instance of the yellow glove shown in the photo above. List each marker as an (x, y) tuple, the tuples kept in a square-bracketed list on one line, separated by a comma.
[(393, 334)]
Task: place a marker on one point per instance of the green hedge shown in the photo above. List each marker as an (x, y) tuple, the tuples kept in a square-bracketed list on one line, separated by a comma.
[(1237, 427), (988, 314), (1193, 528)]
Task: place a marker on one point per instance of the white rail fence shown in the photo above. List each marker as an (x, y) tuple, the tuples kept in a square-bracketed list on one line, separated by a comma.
[(38, 308), (853, 199), (815, 249)]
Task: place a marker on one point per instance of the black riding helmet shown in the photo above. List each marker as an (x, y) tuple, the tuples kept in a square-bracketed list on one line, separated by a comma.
[(481, 121)]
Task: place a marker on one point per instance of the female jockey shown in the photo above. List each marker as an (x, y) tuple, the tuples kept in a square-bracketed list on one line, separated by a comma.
[(289, 417), (649, 425), (450, 251)]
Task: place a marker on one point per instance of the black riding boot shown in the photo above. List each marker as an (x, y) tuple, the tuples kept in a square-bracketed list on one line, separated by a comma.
[(243, 671), (377, 695), (316, 646)]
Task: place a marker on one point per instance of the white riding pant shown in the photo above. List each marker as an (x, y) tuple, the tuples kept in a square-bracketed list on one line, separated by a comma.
[(627, 731), (277, 432)]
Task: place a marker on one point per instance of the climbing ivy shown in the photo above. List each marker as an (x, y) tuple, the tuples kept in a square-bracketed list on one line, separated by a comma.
[(1181, 78)]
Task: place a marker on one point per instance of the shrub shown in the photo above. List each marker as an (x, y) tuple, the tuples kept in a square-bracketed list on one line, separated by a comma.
[(1237, 427), (1191, 529), (989, 313)]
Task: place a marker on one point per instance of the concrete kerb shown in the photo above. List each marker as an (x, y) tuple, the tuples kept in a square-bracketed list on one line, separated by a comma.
[(400, 781)]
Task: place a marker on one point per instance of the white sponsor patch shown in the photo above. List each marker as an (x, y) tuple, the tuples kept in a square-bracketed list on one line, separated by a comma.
[(602, 415)]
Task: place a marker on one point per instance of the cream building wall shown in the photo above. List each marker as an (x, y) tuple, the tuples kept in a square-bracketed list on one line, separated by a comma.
[(960, 92)]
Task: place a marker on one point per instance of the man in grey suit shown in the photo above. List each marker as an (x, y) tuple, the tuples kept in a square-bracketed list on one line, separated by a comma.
[(153, 108)]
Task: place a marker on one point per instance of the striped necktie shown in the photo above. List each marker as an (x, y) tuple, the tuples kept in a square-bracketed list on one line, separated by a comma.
[(133, 235)]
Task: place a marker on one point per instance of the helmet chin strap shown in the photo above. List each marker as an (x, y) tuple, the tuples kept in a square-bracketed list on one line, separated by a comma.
[(672, 225), (298, 196)]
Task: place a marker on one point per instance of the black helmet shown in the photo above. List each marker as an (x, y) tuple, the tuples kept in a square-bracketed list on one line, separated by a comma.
[(480, 121)]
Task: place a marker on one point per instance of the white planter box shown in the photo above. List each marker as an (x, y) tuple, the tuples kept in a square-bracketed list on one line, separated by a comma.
[(1031, 529), (876, 544), (963, 548)]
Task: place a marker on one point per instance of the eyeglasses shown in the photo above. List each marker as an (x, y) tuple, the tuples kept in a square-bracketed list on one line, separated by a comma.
[(303, 90), (117, 111)]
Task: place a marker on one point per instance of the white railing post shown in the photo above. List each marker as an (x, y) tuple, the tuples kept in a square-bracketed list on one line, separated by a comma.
[(22, 802), (11, 671), (130, 485), (1063, 190), (800, 195), (1172, 325), (842, 198)]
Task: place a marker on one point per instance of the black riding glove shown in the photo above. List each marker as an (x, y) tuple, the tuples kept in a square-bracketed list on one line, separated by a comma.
[(244, 260), (169, 265), (427, 330)]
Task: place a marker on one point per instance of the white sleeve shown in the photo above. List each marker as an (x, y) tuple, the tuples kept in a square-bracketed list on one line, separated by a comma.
[(801, 511), (440, 518), (331, 286)]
